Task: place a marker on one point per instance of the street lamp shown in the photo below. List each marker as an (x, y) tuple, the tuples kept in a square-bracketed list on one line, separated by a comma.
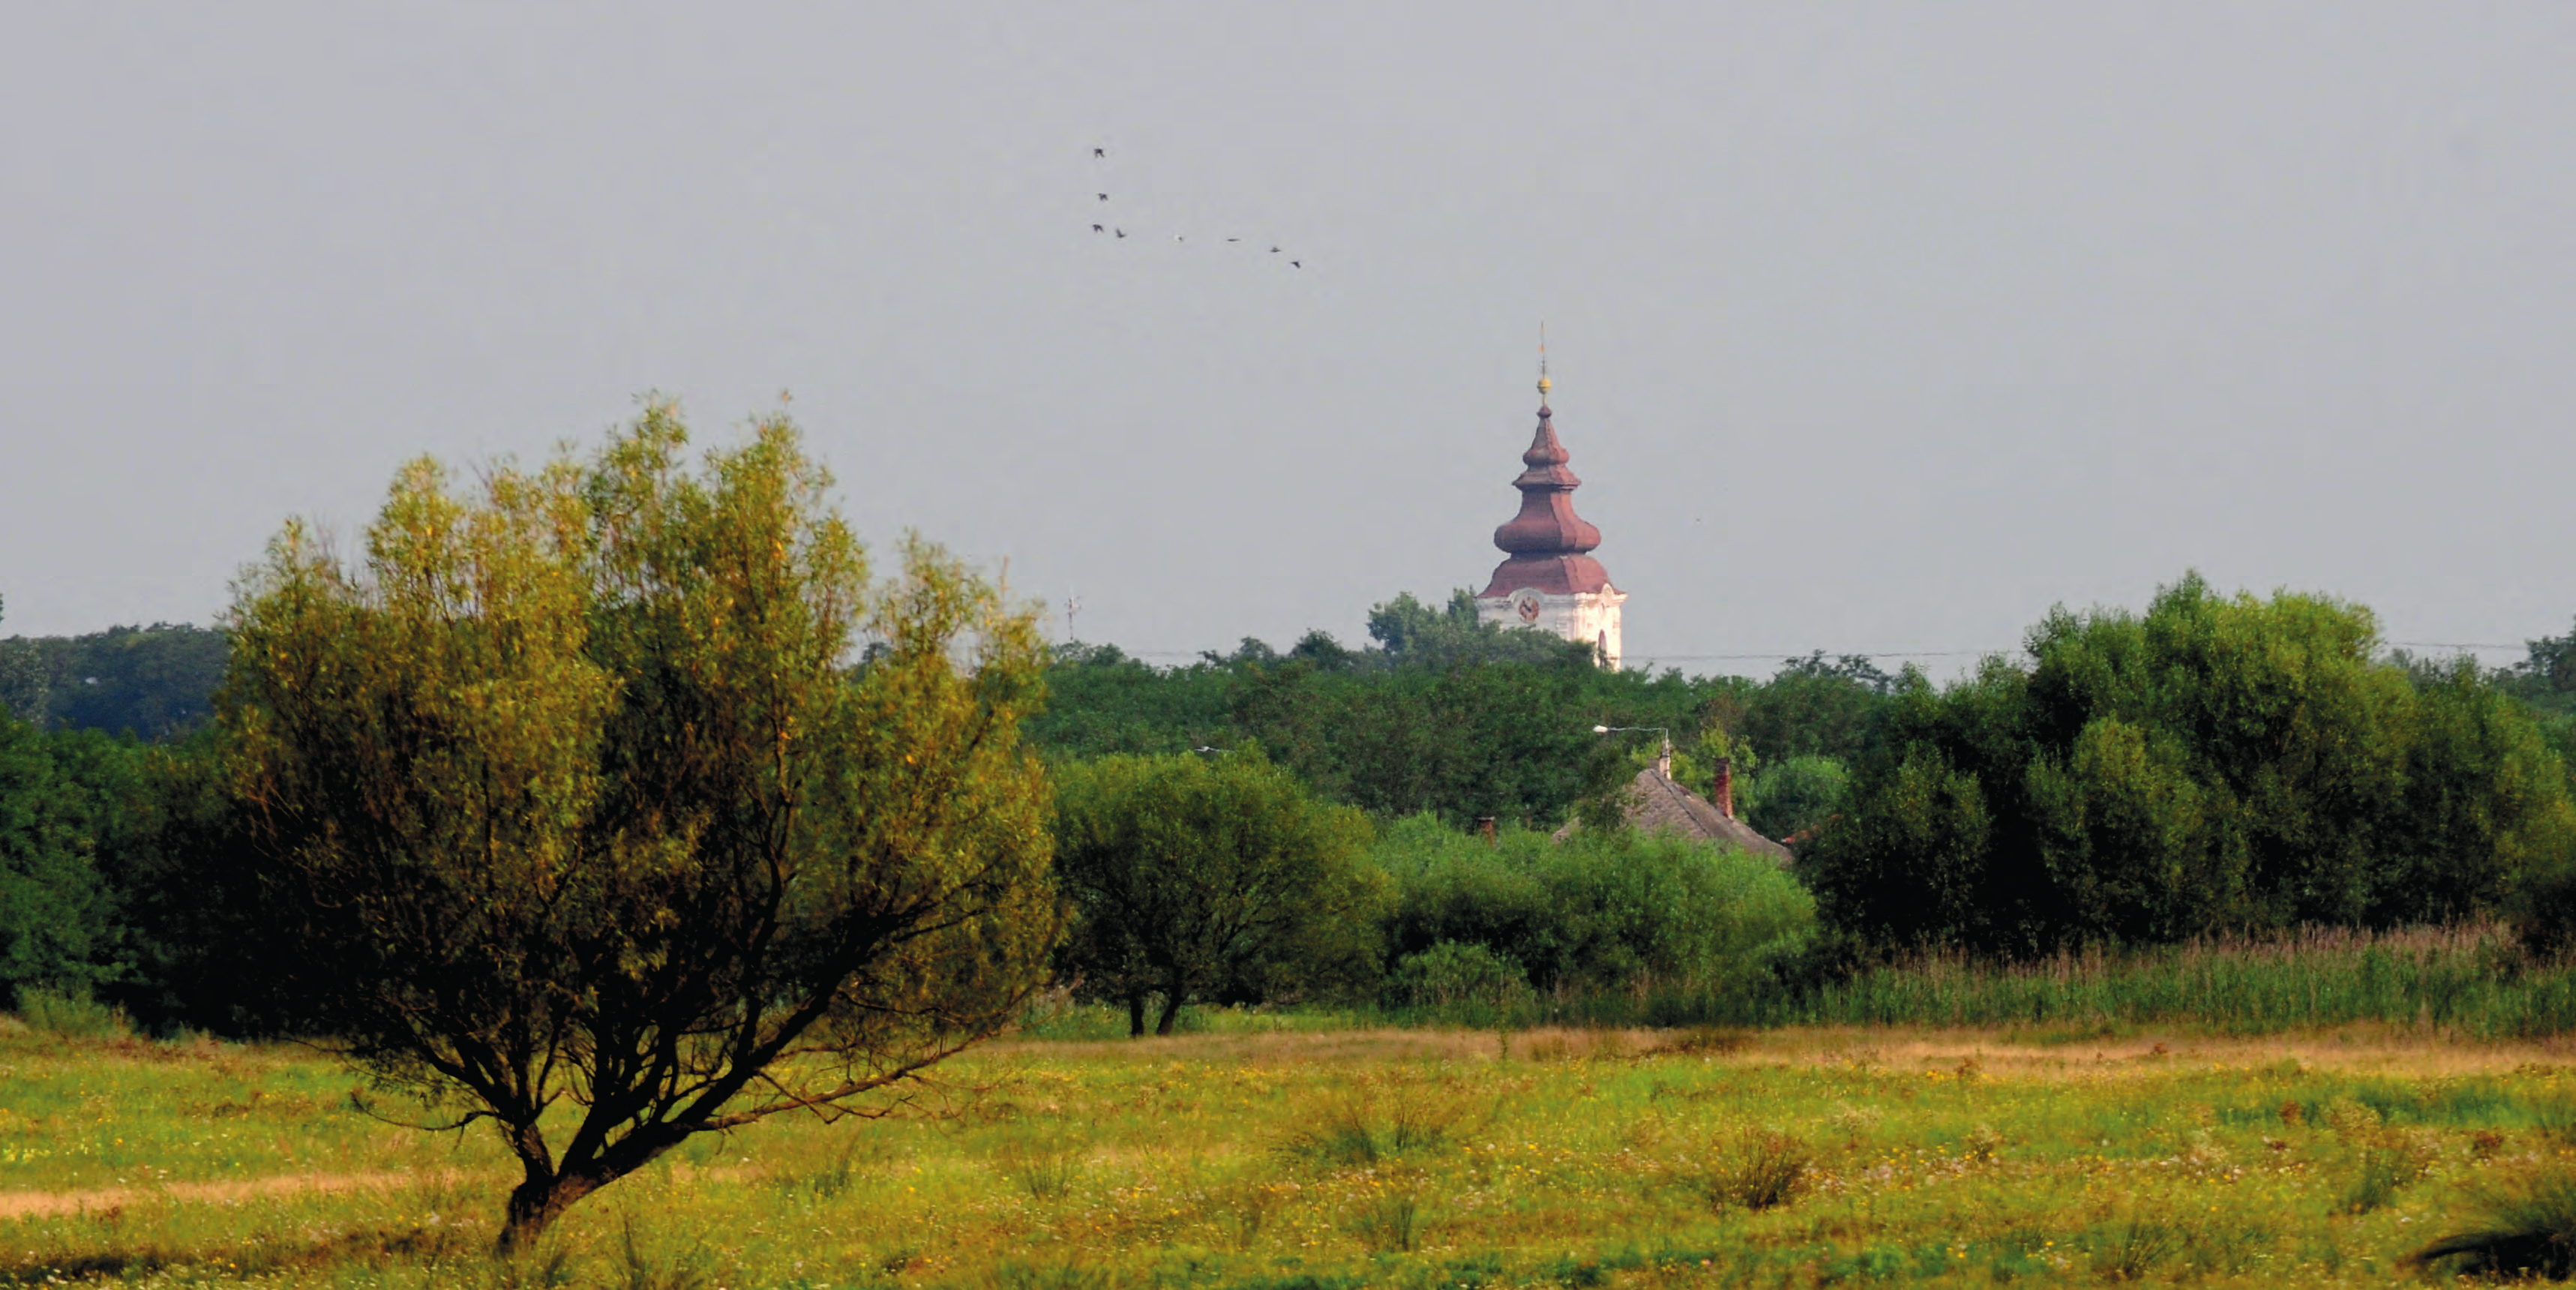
[(1654, 730)]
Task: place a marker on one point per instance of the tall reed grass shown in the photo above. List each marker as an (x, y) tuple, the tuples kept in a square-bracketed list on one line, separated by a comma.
[(2474, 981), (2471, 980)]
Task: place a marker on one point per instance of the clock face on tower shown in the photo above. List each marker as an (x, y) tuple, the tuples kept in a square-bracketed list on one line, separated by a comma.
[(1525, 603)]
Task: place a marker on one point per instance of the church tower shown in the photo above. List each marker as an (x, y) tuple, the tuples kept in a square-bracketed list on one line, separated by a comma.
[(1549, 581)]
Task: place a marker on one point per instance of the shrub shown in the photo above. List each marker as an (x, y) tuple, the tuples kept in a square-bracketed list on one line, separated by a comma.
[(1763, 1169), (1379, 1120), (1045, 1165), (2134, 1246), (1460, 978), (1390, 1215), (2390, 1162), (73, 1016), (1603, 911)]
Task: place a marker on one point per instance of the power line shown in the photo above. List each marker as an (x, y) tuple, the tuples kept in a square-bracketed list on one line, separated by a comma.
[(1851, 653), (1762, 655)]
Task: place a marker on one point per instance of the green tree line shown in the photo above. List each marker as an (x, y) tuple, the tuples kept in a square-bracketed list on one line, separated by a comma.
[(2214, 764), (153, 682)]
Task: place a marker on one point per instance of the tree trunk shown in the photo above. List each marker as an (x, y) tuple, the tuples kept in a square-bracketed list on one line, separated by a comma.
[(1135, 1014), (1172, 996), (548, 1189), (534, 1206)]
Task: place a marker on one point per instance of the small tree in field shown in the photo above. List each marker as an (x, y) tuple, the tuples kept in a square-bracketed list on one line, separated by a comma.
[(576, 816), (1194, 875)]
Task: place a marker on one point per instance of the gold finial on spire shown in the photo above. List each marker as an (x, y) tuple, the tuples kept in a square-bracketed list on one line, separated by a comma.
[(1543, 386)]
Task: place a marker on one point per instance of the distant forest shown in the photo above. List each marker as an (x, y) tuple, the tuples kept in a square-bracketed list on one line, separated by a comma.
[(150, 682), (1435, 712)]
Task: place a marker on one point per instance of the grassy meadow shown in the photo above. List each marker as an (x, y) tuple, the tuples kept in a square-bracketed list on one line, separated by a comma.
[(1260, 1151)]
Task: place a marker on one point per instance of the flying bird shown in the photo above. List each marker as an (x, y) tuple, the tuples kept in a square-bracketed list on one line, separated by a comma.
[(1296, 264), (1097, 229), (1104, 197), (1120, 232), (1100, 152), (1234, 239), (1178, 238), (1274, 250)]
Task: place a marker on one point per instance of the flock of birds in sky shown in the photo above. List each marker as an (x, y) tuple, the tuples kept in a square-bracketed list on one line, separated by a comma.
[(1111, 229)]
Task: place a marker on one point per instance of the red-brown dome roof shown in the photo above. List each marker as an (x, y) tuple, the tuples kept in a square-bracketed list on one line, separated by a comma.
[(1547, 540)]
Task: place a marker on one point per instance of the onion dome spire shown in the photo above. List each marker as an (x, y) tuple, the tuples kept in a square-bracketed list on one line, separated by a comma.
[(1547, 541)]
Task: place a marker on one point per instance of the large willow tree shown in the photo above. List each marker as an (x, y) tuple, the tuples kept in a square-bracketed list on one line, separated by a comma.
[(615, 802)]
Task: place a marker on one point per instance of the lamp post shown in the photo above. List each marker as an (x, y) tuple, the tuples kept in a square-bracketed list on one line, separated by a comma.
[(1653, 730)]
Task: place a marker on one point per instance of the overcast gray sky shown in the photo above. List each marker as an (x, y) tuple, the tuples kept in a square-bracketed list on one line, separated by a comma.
[(1875, 326)]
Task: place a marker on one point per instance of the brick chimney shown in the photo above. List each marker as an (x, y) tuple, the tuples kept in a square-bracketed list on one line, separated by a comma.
[(1723, 792)]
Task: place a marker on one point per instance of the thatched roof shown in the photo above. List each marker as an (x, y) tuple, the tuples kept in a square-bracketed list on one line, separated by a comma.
[(1657, 804)]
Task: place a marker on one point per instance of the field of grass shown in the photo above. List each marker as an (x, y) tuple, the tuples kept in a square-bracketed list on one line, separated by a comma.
[(1251, 1154)]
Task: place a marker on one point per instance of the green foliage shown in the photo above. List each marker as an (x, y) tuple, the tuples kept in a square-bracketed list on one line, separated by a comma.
[(2546, 677), (1444, 714), (1696, 757), (1794, 797), (2214, 763), (1101, 702), (1507, 740), (151, 682), (2544, 899), (73, 1015), (2472, 981), (193, 921), (2387, 1162), (23, 687), (77, 810), (1813, 707), (1210, 877), (567, 795), (1759, 1170), (1412, 634), (1471, 982), (1603, 911), (66, 800)]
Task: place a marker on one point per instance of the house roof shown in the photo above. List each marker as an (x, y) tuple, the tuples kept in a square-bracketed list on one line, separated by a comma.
[(1656, 804)]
